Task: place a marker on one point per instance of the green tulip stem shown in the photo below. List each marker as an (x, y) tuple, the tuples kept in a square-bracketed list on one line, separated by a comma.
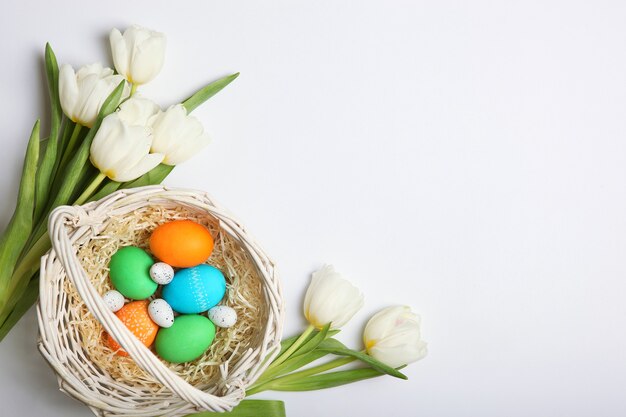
[(335, 363), (70, 147), (133, 89), (286, 354), (89, 191), (296, 376)]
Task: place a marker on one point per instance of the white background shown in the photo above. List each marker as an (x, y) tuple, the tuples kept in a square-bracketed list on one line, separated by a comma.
[(465, 158)]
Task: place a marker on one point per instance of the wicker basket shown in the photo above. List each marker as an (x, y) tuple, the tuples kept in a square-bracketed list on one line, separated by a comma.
[(62, 344)]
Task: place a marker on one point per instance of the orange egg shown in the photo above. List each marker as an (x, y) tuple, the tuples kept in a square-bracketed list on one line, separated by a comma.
[(181, 243), (135, 316)]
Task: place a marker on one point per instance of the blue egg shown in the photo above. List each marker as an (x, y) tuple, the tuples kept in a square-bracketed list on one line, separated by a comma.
[(194, 290)]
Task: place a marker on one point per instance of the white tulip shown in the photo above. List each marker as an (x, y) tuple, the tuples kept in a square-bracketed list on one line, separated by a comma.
[(392, 336), (331, 299), (138, 54), (138, 111), (83, 93), (121, 151), (177, 135)]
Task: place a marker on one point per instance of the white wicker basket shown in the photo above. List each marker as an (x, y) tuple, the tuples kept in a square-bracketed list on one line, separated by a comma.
[(60, 344)]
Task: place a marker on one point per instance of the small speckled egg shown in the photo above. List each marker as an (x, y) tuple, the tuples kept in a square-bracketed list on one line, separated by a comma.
[(135, 316), (114, 300), (161, 313), (223, 316), (181, 243), (161, 273)]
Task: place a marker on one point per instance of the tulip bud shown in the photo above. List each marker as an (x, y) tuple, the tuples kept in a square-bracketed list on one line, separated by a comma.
[(138, 54), (121, 151), (138, 111), (392, 336), (331, 299), (83, 93), (177, 135)]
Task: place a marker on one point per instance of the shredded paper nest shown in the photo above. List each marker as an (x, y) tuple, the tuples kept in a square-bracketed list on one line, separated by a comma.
[(244, 294)]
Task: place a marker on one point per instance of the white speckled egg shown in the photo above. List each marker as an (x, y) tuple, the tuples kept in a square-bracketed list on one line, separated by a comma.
[(161, 313), (223, 316), (114, 300), (161, 273)]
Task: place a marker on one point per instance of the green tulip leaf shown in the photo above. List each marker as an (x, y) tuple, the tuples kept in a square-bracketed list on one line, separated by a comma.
[(111, 103), (286, 343), (310, 342), (46, 168), (108, 188), (153, 177), (313, 342), (43, 143), (337, 348), (20, 225), (25, 301), (327, 380), (207, 92), (66, 132), (251, 408), (292, 364)]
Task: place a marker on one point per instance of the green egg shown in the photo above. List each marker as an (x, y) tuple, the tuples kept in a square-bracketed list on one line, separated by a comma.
[(129, 270), (187, 339)]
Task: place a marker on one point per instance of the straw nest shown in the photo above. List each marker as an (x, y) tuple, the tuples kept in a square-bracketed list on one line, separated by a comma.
[(73, 318)]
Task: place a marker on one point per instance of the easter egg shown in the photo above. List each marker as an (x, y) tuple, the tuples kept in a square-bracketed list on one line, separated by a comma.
[(181, 243), (135, 316), (223, 316), (187, 339), (114, 300), (161, 273), (129, 270), (161, 313), (194, 290)]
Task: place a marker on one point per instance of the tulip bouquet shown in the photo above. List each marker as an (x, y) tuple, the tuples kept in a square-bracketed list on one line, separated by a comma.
[(391, 339), (103, 137)]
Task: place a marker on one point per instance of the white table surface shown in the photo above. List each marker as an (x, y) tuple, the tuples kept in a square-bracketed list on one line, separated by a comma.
[(465, 158)]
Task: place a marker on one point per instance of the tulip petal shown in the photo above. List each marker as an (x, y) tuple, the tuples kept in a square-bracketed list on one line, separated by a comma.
[(147, 59), (118, 146), (83, 93), (396, 356), (149, 162), (93, 93), (68, 90), (392, 336), (166, 128), (138, 111), (331, 299), (136, 142), (104, 154), (119, 52), (177, 135), (191, 148), (382, 322), (138, 53)]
